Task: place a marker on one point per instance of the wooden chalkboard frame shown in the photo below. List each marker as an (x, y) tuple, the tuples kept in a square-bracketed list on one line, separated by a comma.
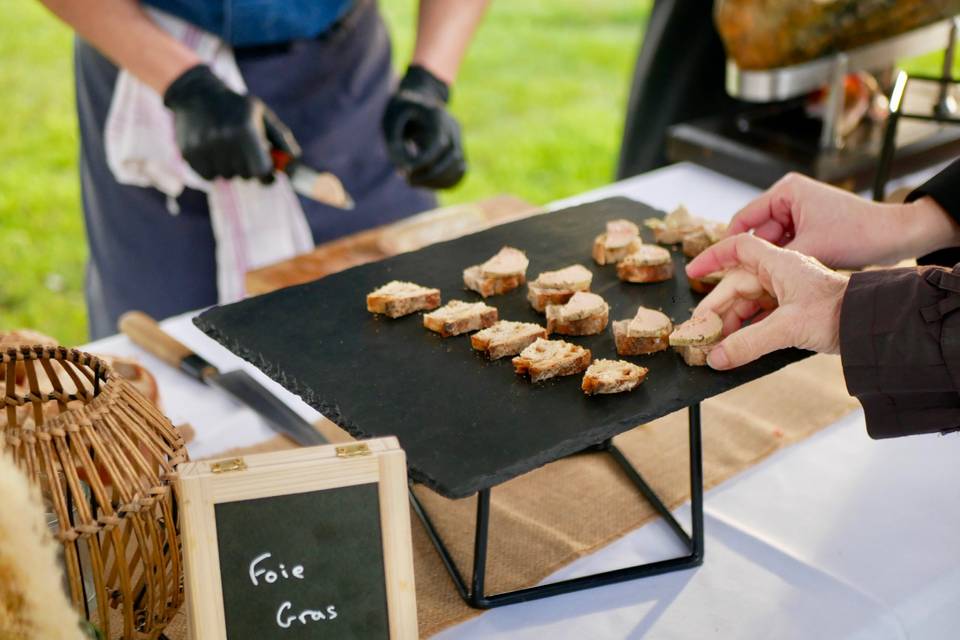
[(204, 484)]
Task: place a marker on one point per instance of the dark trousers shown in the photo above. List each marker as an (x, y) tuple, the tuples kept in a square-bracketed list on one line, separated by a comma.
[(331, 91), (679, 76)]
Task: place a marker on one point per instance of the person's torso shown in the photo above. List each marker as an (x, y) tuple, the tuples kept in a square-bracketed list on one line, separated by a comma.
[(258, 22)]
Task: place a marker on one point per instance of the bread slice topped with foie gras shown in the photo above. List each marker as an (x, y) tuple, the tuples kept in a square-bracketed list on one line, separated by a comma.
[(674, 226), (621, 238), (556, 287), (699, 240), (397, 298), (697, 336), (612, 376), (551, 358), (458, 317), (649, 263), (647, 332), (506, 338), (504, 272), (584, 314)]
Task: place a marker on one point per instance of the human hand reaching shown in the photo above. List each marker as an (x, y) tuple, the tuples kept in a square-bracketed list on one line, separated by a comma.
[(841, 229), (789, 300)]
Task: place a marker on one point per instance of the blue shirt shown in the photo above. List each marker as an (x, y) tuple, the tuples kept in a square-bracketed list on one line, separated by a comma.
[(258, 22)]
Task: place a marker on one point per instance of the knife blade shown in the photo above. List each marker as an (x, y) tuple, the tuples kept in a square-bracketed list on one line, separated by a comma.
[(145, 332), (321, 186)]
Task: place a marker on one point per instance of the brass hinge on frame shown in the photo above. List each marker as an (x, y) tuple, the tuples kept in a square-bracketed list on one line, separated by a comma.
[(353, 450), (235, 464)]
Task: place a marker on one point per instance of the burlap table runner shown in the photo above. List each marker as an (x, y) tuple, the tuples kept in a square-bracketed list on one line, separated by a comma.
[(551, 516)]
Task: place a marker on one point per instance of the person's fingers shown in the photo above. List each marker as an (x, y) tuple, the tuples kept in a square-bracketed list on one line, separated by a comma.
[(772, 231), (743, 250), (735, 287), (774, 204), (751, 342), (738, 312)]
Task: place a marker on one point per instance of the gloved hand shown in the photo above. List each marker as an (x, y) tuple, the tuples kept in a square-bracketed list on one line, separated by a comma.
[(221, 133), (423, 139)]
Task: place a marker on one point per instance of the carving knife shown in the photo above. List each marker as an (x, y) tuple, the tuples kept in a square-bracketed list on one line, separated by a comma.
[(146, 333), (285, 153)]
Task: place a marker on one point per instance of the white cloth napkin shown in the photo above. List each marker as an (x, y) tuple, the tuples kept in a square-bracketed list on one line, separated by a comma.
[(254, 225)]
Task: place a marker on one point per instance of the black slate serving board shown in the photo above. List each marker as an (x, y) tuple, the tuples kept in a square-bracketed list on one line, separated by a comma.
[(466, 423)]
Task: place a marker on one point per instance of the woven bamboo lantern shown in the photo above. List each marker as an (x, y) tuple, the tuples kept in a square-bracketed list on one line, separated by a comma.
[(104, 458)]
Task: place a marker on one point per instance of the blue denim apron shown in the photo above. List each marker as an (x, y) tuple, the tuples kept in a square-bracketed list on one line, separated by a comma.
[(331, 91)]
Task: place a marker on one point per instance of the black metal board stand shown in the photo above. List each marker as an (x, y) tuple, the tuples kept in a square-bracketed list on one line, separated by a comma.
[(475, 595)]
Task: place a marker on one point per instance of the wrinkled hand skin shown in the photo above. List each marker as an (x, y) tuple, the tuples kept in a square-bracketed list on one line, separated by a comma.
[(771, 298), (841, 229)]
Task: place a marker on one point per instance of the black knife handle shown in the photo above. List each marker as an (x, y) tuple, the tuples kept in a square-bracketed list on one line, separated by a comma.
[(146, 333)]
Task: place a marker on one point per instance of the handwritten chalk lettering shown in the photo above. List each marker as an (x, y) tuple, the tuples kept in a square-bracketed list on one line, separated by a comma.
[(270, 576), (285, 619)]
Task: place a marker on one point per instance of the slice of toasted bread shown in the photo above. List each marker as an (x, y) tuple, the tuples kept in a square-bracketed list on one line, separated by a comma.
[(620, 234), (551, 358), (700, 239), (602, 255), (706, 328), (506, 338), (695, 243), (584, 314), (539, 297), (508, 263), (586, 327), (612, 376), (458, 317), (557, 287), (576, 277), (649, 323), (397, 298), (631, 346), (674, 226), (706, 283), (474, 280), (695, 356), (649, 263)]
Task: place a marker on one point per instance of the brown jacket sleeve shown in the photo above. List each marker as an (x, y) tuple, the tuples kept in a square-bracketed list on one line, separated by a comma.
[(900, 347), (945, 189), (900, 335)]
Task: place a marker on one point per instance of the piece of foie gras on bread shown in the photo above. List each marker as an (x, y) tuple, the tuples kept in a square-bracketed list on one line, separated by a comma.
[(557, 287), (458, 317), (695, 338), (612, 376), (551, 358), (674, 226), (702, 238), (397, 298), (584, 314), (647, 264), (502, 273), (506, 338), (647, 332), (621, 238)]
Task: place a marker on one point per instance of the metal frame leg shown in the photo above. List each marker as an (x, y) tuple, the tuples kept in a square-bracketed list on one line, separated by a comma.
[(475, 594), (885, 165)]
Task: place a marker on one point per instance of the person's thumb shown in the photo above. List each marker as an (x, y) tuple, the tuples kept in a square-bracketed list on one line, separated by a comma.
[(751, 342)]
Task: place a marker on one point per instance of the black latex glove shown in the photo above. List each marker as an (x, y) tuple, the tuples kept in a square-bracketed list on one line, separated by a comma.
[(423, 139), (221, 133)]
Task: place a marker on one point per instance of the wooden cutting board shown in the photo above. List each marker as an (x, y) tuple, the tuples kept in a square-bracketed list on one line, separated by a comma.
[(409, 234)]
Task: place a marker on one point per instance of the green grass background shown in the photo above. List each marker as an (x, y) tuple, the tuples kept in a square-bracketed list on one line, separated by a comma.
[(540, 97)]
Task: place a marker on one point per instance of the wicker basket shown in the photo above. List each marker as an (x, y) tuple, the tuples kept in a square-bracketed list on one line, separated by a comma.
[(104, 459)]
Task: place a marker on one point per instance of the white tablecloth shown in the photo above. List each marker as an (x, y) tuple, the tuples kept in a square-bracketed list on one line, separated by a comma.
[(836, 537)]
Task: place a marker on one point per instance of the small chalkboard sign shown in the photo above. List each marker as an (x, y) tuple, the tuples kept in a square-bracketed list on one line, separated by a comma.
[(307, 543)]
